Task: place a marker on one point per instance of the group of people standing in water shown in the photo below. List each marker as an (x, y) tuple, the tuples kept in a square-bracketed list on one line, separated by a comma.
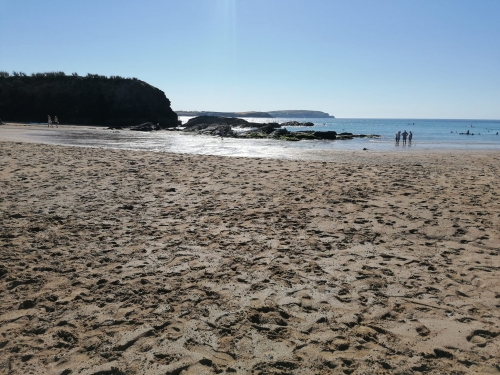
[(405, 135)]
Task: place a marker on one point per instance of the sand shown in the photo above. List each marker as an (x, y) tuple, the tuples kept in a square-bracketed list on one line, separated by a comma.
[(128, 262)]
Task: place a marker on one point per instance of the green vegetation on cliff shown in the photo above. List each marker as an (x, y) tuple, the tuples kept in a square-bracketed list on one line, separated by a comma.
[(90, 100)]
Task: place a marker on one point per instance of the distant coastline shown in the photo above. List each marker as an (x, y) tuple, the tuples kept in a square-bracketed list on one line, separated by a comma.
[(269, 114)]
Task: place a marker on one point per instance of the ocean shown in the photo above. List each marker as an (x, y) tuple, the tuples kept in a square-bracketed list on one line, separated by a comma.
[(428, 135)]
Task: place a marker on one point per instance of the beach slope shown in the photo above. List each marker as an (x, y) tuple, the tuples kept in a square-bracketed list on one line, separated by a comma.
[(128, 262)]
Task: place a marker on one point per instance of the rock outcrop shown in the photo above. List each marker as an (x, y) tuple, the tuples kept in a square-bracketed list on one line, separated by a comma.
[(223, 126), (89, 100), (202, 122), (296, 123)]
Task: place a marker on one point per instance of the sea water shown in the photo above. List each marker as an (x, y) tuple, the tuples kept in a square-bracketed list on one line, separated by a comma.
[(427, 135)]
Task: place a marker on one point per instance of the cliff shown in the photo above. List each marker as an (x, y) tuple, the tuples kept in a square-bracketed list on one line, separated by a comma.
[(89, 100)]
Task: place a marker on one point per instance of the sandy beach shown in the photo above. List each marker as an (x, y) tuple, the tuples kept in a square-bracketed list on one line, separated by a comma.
[(131, 262)]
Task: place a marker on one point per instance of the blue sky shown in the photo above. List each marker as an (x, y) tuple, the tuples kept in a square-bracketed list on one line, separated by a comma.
[(352, 58)]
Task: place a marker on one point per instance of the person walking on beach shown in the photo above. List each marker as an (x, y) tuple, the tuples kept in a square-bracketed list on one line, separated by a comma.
[(56, 121), (410, 136), (49, 121), (405, 134)]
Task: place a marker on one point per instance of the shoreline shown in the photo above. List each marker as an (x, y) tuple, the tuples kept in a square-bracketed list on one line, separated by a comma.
[(147, 262), (185, 143)]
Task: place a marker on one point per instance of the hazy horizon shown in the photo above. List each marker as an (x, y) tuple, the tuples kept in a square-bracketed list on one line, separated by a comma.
[(351, 59)]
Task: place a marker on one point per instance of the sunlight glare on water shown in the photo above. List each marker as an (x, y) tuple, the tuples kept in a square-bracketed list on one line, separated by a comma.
[(428, 135)]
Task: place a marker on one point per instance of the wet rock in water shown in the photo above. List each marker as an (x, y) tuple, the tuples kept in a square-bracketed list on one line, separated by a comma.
[(203, 122), (146, 127), (296, 123), (222, 130), (223, 126), (269, 128), (326, 135), (351, 136), (280, 132), (213, 125)]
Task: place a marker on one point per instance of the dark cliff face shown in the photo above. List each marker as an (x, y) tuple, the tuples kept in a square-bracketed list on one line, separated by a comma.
[(90, 100)]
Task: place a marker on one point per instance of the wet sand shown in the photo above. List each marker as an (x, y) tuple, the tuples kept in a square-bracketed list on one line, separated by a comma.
[(129, 262)]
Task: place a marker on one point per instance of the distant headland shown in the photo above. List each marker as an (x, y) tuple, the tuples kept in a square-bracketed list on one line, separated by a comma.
[(270, 114)]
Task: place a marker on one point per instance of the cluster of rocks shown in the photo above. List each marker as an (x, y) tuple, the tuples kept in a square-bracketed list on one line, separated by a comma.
[(223, 126), (145, 127), (296, 123)]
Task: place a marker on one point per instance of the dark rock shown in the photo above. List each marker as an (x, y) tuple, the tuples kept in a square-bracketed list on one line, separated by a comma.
[(211, 125), (269, 128), (222, 126), (146, 127), (203, 122), (280, 132), (296, 123), (326, 135), (351, 136), (312, 135)]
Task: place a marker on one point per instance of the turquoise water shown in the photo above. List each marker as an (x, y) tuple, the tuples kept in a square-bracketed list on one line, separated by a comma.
[(427, 133)]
